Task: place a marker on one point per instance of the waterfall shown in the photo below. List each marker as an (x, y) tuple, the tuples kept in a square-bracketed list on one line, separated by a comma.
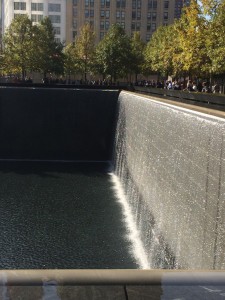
[(170, 163)]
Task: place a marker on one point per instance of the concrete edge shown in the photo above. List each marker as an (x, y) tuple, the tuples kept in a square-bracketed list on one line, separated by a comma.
[(205, 110), (110, 277)]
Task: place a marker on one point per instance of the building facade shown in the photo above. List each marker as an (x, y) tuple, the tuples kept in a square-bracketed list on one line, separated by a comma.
[(133, 15), (37, 10), (68, 16)]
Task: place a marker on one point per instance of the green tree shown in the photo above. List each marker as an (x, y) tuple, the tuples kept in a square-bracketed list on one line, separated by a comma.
[(49, 53), (137, 48), (192, 31), (85, 50), (70, 61), (113, 53), (19, 46), (160, 51), (215, 40)]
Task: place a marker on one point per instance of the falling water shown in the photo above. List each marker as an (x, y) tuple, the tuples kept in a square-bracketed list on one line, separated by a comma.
[(170, 162), (133, 235)]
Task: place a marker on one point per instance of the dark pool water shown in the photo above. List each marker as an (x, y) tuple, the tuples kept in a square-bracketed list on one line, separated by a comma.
[(60, 215)]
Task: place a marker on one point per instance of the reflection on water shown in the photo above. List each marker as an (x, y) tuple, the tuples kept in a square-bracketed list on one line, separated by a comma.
[(60, 216)]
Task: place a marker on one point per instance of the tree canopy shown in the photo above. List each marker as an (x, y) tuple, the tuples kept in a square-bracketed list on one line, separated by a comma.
[(193, 45), (28, 47), (85, 49), (19, 46), (49, 55), (113, 53)]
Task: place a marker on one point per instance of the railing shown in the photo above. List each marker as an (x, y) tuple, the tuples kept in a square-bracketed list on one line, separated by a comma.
[(216, 101), (110, 277)]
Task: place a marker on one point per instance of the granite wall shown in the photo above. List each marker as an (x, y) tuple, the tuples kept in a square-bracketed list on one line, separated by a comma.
[(51, 123)]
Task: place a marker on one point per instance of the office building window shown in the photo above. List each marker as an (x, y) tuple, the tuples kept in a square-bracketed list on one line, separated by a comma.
[(55, 18), (57, 30), (154, 4), (36, 18), (148, 36), (19, 6), (121, 3), (149, 14), (74, 34), (165, 16), (133, 26), (149, 4), (37, 6), (75, 12), (138, 15), (89, 13), (75, 2), (139, 4), (75, 24), (154, 15), (92, 3), (107, 14), (133, 15), (102, 13), (123, 15), (102, 35), (86, 3), (134, 4), (102, 25), (153, 26), (138, 26), (54, 7), (118, 14), (106, 25), (166, 4), (148, 26), (105, 3)]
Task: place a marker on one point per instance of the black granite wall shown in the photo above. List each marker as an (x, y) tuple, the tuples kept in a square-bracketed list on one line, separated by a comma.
[(51, 123)]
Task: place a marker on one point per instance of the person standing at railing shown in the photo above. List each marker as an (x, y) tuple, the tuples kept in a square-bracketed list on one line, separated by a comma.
[(216, 88)]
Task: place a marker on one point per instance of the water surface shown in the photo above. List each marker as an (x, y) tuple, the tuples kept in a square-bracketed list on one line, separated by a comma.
[(60, 215)]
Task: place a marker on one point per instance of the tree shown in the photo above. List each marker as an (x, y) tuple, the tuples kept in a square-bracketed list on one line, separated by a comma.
[(85, 49), (215, 40), (137, 48), (49, 53), (160, 51), (70, 62), (191, 30), (19, 46), (113, 53)]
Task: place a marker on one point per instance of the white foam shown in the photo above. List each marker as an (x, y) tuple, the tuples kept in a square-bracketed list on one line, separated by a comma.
[(133, 234)]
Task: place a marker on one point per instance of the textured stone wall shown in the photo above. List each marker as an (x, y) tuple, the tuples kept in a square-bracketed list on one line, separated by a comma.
[(171, 162)]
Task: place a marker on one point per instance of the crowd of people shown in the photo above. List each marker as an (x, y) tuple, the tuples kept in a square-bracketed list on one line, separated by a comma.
[(191, 86)]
